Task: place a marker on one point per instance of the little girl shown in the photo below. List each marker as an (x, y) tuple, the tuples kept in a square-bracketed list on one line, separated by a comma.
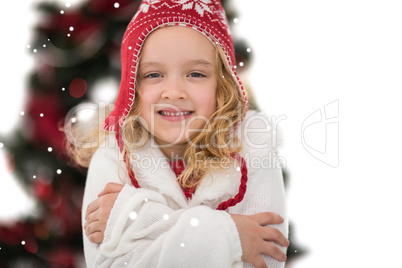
[(184, 181)]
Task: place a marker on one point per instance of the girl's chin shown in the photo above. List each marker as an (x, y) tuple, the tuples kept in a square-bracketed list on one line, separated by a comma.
[(170, 141)]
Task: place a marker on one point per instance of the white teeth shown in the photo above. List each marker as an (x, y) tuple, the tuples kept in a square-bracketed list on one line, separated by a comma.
[(173, 114)]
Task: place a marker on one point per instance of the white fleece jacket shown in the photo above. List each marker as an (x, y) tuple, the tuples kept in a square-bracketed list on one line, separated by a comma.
[(156, 226)]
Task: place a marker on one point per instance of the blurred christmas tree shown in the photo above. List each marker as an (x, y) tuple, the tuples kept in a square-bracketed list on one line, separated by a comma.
[(77, 55)]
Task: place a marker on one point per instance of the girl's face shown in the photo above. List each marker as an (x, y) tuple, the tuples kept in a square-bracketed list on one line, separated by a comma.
[(178, 83)]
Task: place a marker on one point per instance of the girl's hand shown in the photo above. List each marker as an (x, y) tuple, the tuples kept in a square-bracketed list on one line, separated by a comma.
[(98, 212), (255, 237)]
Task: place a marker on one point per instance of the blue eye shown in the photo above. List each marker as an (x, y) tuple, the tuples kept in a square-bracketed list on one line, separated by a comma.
[(154, 75), (197, 75)]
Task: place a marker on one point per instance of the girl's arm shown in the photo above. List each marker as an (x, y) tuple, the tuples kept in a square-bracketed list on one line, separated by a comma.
[(102, 170), (143, 231), (253, 234), (265, 194), (265, 186)]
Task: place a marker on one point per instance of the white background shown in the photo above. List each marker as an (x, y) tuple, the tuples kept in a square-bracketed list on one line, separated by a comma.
[(307, 54)]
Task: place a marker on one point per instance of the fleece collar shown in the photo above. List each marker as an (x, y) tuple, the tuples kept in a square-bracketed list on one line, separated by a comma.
[(153, 171)]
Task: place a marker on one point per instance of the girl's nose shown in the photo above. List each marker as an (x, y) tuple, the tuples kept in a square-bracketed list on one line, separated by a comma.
[(174, 90)]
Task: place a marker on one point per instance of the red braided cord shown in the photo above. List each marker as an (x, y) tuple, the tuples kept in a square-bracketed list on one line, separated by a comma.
[(242, 188), (129, 167), (222, 206)]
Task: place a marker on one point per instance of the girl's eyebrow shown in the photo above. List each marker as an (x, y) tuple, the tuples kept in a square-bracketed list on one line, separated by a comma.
[(198, 62), (203, 62), (149, 64)]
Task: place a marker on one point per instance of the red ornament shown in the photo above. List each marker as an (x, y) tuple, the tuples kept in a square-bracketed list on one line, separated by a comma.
[(45, 130), (42, 188), (30, 245), (78, 87)]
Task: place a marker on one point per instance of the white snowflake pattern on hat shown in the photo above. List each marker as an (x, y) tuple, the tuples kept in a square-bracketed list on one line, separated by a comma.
[(224, 21), (144, 7), (146, 4), (200, 5)]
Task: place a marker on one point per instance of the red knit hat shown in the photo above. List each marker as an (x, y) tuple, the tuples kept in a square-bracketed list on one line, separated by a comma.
[(206, 16)]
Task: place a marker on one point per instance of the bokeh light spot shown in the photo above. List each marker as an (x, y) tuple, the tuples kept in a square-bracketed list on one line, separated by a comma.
[(194, 222)]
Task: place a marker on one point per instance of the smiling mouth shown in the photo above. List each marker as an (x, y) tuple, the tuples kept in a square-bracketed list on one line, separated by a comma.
[(171, 113)]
